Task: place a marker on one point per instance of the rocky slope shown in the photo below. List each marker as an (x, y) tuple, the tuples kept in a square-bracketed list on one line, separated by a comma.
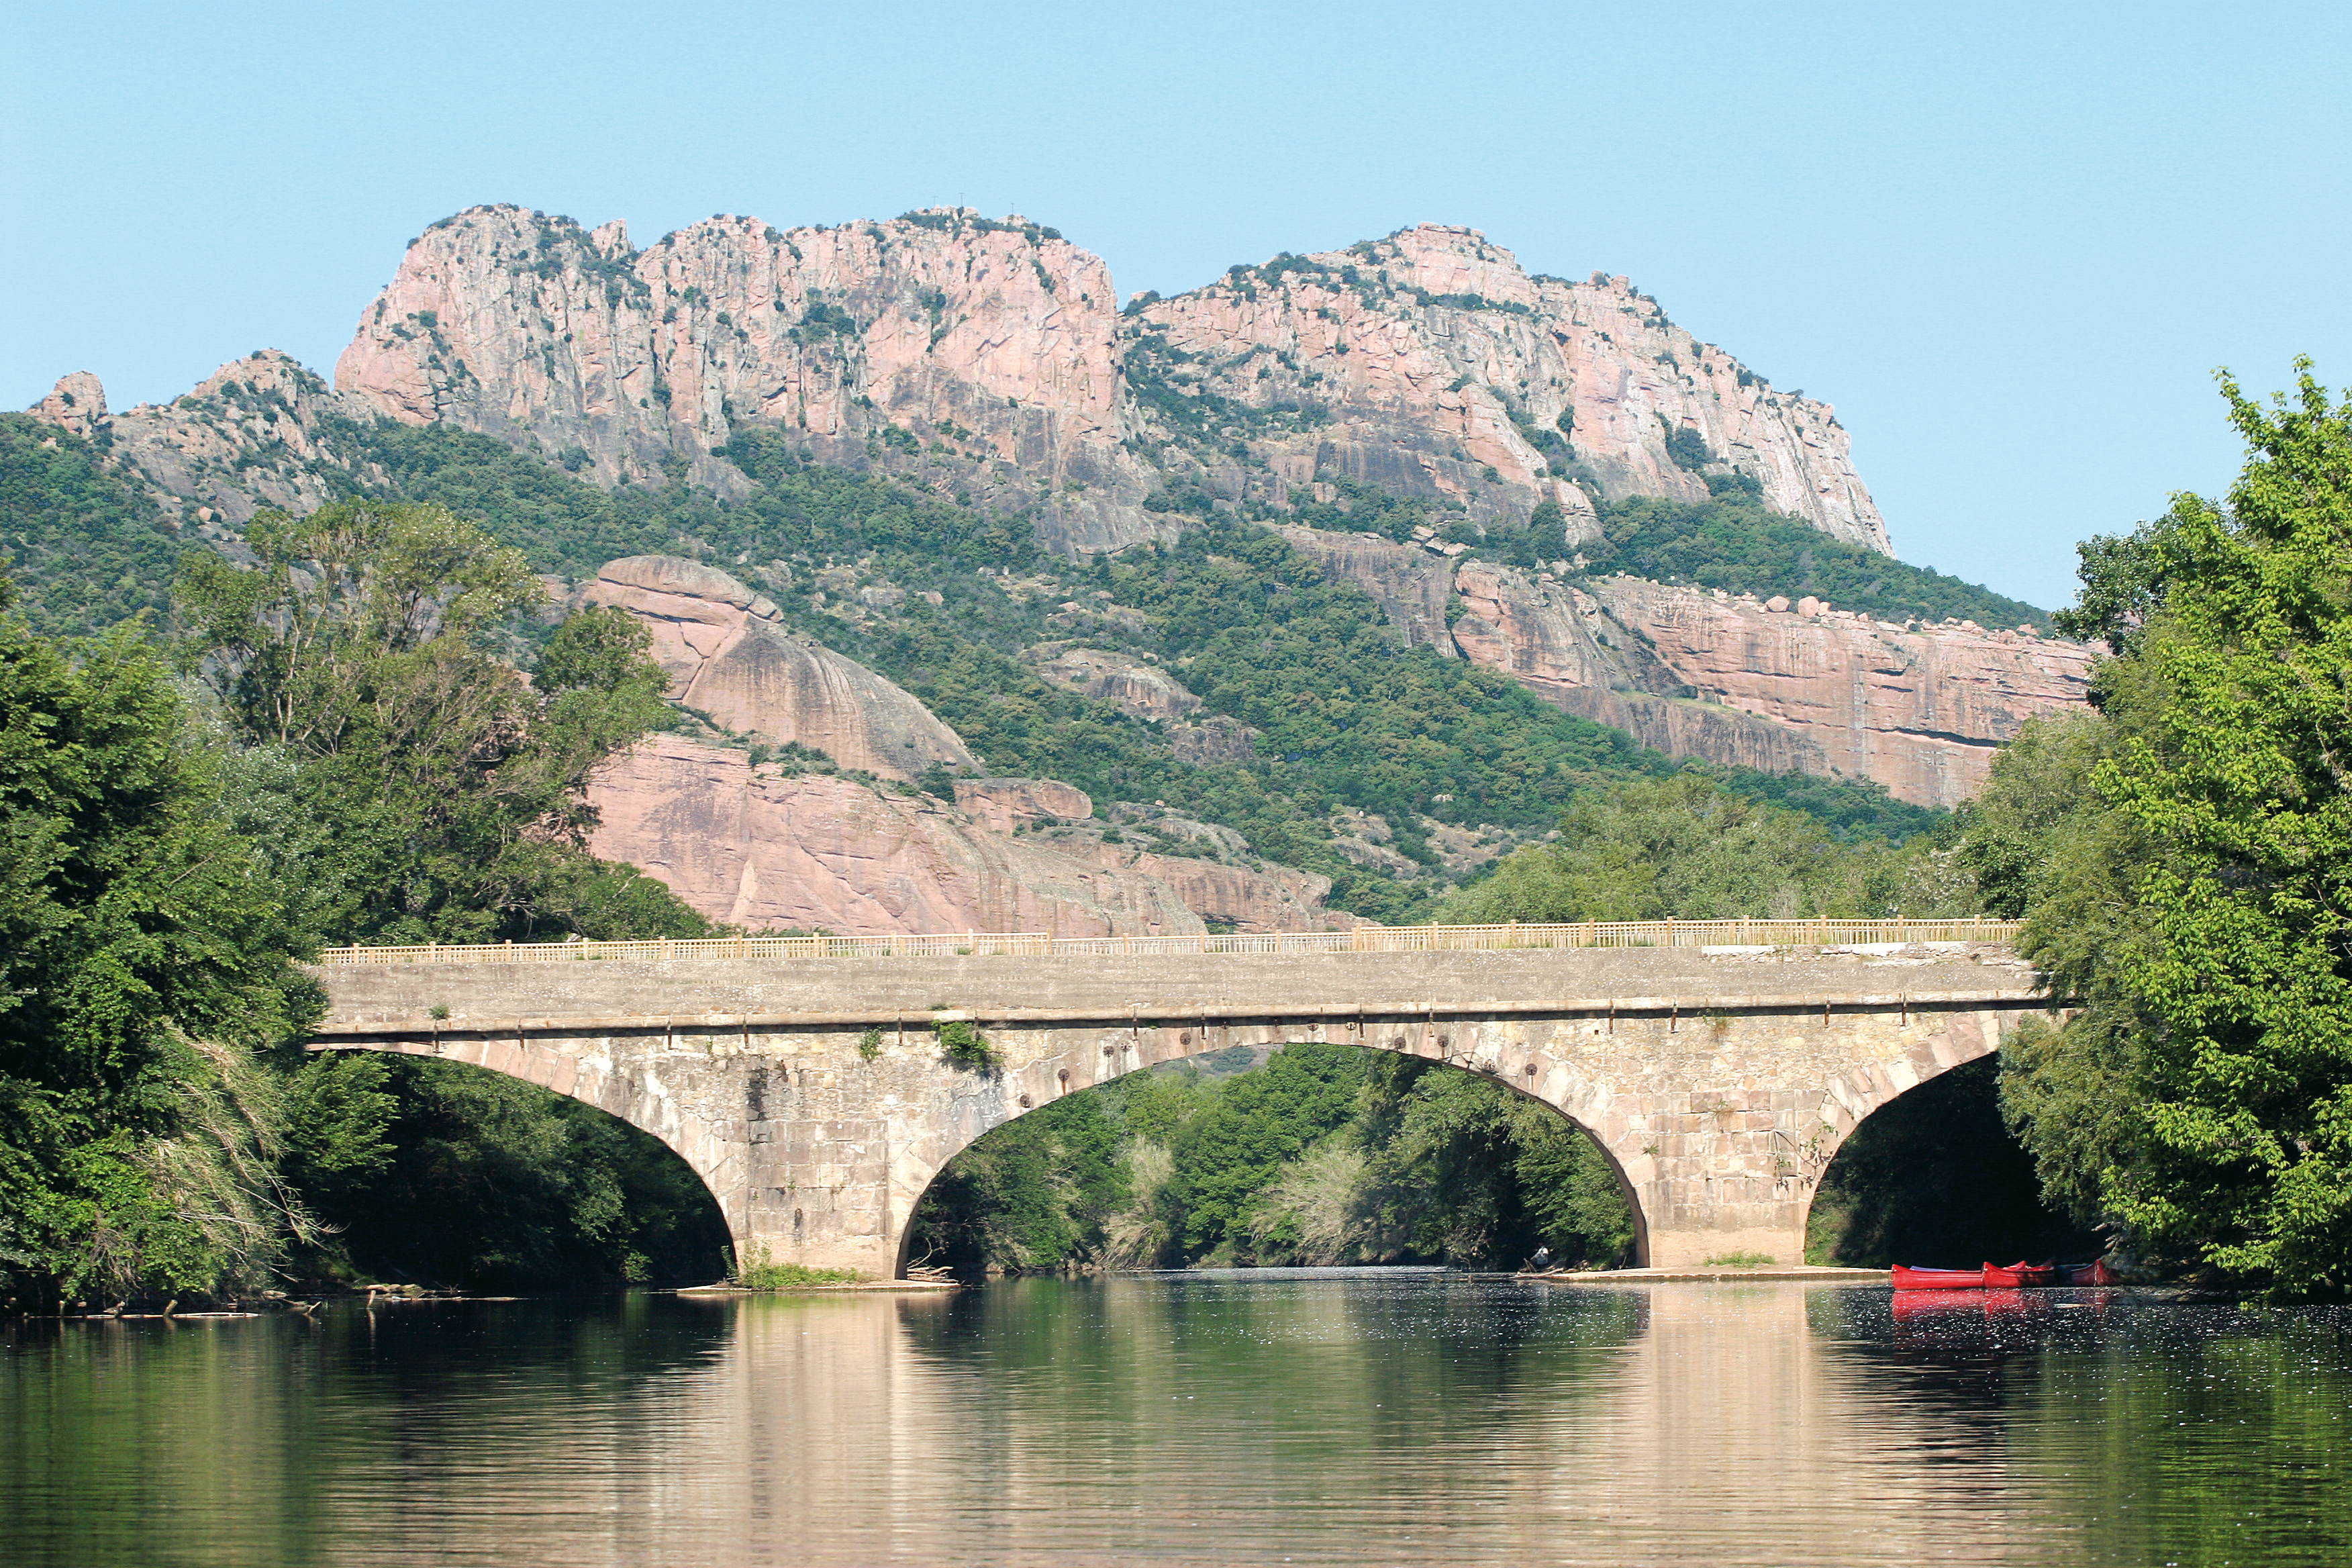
[(762, 847), (1430, 363), (258, 432), (1804, 688), (1782, 687), (768, 845), (989, 359), (730, 659)]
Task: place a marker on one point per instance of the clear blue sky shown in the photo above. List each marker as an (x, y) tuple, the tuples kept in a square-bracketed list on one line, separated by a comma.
[(2008, 242)]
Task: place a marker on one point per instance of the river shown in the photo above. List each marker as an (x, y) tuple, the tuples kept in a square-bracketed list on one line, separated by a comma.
[(1306, 1416)]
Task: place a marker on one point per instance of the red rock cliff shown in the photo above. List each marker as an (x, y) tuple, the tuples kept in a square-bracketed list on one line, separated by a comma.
[(763, 848), (991, 344), (729, 657), (988, 359), (1919, 709)]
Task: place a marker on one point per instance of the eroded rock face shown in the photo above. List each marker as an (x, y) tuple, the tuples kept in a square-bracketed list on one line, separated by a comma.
[(988, 359), (259, 432), (749, 847), (1002, 804), (991, 341), (729, 656), (1142, 688), (1921, 709), (1249, 902), (1435, 360), (78, 403), (1411, 583)]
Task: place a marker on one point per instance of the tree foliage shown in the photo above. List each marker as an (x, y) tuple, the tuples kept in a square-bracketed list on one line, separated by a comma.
[(88, 551), (2184, 864), (144, 985), (1322, 1154), (1684, 848), (367, 646), (1735, 544)]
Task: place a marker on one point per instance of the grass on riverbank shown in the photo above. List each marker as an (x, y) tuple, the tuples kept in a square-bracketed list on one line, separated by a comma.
[(758, 1271)]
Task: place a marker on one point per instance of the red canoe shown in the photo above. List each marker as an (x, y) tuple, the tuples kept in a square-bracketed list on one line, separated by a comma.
[(1939, 1278), (2020, 1275), (2014, 1277)]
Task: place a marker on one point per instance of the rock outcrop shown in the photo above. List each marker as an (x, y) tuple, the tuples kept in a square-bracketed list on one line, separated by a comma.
[(753, 847), (1411, 583), (259, 432), (1144, 690), (760, 848), (1007, 806), (1921, 709), (729, 657), (1766, 685), (1135, 685), (988, 359), (973, 355), (78, 403), (1429, 364)]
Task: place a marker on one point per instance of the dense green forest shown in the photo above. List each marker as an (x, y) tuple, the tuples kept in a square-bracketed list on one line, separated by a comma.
[(86, 551)]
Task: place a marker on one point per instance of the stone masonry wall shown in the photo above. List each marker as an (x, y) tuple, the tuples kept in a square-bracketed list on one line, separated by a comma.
[(1719, 1084)]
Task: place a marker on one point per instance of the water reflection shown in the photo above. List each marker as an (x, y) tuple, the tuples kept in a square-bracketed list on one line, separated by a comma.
[(1317, 1417)]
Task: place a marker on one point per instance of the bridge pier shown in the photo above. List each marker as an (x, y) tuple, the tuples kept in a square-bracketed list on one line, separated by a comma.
[(812, 1097)]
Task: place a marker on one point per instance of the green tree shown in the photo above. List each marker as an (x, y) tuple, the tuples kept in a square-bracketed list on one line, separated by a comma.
[(145, 983), (1469, 1172), (376, 647), (2183, 860), (2235, 729), (1684, 848)]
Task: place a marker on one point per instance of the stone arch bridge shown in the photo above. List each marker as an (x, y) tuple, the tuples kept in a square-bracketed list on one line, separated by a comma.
[(803, 1078)]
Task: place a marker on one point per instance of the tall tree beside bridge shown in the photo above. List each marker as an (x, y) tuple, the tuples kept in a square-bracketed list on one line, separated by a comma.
[(2210, 866)]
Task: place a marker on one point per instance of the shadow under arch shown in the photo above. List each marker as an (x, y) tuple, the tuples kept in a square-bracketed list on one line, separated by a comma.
[(1528, 1084), (608, 1130), (1932, 1176)]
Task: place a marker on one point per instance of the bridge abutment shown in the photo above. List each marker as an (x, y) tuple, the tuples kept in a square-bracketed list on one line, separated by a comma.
[(814, 1100)]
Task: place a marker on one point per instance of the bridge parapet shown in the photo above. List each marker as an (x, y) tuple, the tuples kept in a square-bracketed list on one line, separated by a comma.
[(1549, 937)]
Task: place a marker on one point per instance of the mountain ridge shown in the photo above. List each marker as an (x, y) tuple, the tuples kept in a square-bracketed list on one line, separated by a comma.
[(1003, 561)]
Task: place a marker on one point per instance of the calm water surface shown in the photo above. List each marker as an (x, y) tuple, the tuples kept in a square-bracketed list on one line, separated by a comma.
[(1271, 1416)]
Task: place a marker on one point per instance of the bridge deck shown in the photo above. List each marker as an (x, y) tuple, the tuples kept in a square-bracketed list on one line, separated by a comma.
[(725, 993)]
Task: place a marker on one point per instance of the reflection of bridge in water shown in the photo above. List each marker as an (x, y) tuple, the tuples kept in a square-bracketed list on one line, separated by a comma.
[(1189, 1421), (801, 1079)]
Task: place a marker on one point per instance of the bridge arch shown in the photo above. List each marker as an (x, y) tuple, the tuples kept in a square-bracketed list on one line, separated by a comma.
[(620, 1090), (1528, 1073)]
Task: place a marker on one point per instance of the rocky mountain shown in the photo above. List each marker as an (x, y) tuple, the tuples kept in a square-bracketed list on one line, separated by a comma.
[(989, 360), (732, 663), (258, 432), (1481, 450)]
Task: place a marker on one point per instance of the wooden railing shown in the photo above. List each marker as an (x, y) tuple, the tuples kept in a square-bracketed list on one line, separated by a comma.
[(1363, 939)]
